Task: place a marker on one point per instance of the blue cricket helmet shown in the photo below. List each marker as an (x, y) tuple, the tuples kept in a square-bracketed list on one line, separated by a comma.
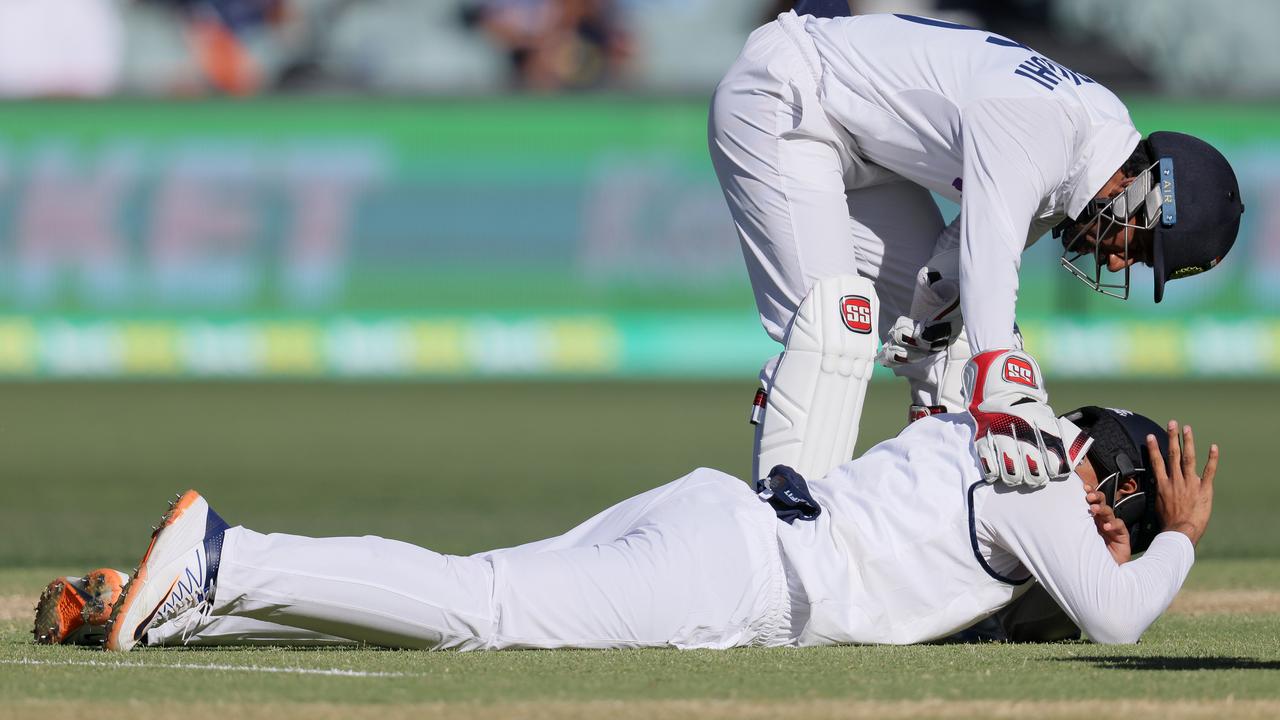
[(1205, 196)]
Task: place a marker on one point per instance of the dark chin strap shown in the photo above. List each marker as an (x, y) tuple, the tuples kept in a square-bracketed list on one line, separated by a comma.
[(1125, 466)]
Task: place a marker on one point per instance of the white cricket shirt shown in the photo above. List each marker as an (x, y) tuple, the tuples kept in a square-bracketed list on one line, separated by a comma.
[(1019, 141), (912, 545)]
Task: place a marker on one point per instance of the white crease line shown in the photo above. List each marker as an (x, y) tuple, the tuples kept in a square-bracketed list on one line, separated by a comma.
[(197, 666)]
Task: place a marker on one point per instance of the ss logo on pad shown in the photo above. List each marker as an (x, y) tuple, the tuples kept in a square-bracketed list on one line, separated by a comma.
[(856, 311), (1017, 370)]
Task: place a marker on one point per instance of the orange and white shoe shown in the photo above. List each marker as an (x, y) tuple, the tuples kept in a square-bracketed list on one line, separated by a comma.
[(175, 577), (74, 610)]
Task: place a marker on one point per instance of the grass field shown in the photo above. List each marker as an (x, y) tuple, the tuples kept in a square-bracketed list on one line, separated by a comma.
[(467, 467)]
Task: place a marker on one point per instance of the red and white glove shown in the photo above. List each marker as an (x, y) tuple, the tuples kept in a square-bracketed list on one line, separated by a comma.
[(1020, 441)]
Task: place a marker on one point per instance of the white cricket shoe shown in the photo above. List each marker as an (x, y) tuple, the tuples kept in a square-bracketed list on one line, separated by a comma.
[(177, 574)]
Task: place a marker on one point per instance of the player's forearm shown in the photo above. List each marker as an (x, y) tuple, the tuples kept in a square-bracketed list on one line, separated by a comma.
[(990, 256), (1129, 597), (988, 295)]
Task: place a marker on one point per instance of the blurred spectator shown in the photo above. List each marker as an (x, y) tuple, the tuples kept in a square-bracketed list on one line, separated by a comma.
[(555, 44), (250, 46), (220, 33), (59, 47)]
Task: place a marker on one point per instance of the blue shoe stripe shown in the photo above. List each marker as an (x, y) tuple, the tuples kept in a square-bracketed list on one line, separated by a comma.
[(214, 530)]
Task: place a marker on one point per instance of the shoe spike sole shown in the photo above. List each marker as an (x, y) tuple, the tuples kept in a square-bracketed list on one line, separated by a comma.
[(48, 628), (103, 595)]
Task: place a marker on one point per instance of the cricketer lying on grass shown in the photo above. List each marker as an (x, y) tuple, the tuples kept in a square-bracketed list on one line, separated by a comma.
[(828, 135), (906, 544)]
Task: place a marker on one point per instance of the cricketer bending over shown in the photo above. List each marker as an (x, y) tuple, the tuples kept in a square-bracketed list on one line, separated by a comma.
[(906, 544), (828, 136)]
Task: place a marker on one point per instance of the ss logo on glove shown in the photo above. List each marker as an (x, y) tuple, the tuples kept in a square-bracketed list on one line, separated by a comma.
[(1017, 370)]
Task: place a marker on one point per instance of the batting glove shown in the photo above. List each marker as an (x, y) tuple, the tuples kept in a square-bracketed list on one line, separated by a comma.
[(935, 314), (1019, 439)]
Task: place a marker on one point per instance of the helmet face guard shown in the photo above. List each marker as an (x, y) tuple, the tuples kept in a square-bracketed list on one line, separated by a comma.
[(1119, 453), (1146, 202), (1132, 508)]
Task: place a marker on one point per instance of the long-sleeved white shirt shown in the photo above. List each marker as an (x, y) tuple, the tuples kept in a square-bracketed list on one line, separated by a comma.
[(912, 545), (1019, 141)]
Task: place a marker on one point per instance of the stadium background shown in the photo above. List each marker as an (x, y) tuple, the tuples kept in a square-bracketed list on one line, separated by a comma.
[(386, 196), (252, 246)]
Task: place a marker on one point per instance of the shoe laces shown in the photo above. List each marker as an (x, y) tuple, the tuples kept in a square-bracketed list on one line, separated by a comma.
[(195, 618), (189, 604)]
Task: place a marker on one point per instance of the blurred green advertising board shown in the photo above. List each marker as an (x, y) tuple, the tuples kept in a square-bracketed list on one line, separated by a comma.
[(489, 237), (621, 345)]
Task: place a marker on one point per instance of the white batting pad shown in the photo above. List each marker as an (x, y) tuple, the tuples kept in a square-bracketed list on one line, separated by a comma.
[(815, 400)]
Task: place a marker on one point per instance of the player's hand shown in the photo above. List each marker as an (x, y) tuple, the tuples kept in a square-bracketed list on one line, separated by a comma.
[(934, 320), (1112, 530), (1019, 439), (1184, 498), (909, 341)]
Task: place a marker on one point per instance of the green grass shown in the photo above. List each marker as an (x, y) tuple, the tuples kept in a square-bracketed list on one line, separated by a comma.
[(463, 468), (1181, 659), (459, 468)]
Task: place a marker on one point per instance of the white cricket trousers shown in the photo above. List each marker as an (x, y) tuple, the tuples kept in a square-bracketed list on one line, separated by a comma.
[(692, 564), (804, 205)]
